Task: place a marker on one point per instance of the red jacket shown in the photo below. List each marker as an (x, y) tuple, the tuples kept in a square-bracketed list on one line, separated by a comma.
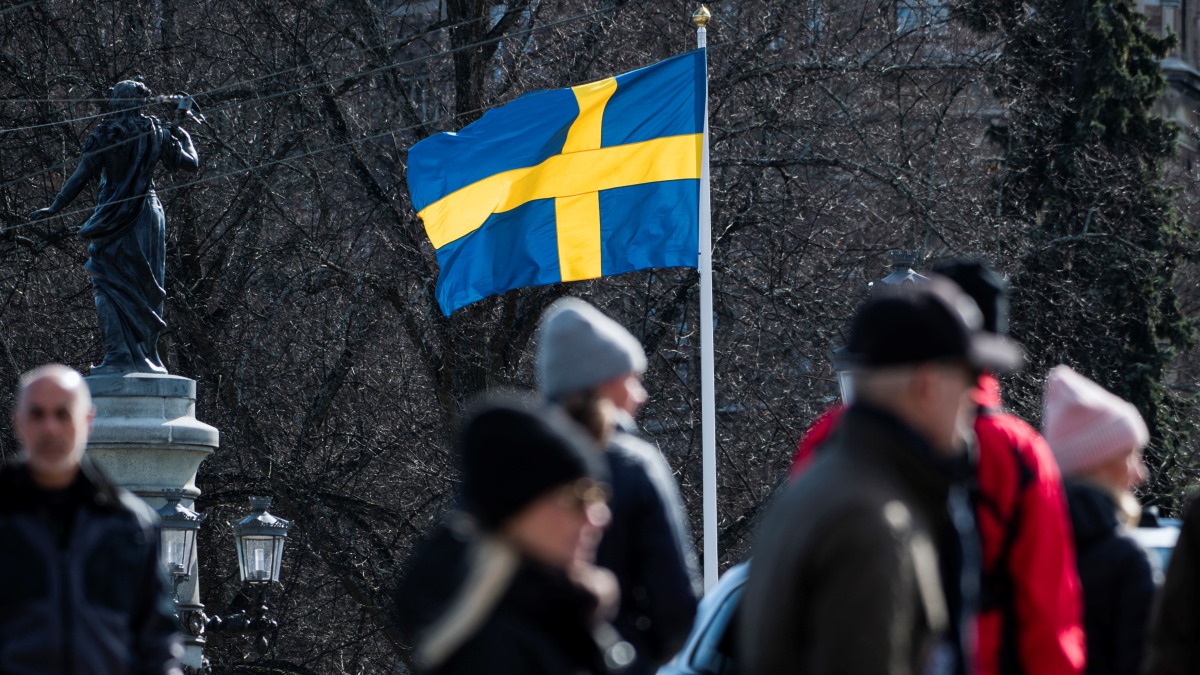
[(1020, 500)]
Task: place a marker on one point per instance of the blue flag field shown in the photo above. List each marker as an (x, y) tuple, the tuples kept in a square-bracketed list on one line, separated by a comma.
[(566, 184)]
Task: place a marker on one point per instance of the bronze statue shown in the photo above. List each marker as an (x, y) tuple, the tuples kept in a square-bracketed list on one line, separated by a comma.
[(126, 235)]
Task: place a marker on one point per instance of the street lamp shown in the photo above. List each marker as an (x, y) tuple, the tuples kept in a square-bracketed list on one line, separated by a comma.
[(902, 270), (259, 539), (902, 274), (843, 367), (178, 541)]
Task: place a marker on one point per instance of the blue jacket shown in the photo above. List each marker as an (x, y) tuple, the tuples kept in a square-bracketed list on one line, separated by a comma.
[(648, 548)]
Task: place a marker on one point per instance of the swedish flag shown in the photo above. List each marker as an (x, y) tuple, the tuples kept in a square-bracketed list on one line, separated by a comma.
[(566, 184)]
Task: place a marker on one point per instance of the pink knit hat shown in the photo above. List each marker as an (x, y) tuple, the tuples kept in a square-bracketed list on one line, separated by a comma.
[(1087, 426)]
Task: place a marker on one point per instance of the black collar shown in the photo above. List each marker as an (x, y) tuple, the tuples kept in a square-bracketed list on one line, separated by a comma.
[(91, 487), (871, 430)]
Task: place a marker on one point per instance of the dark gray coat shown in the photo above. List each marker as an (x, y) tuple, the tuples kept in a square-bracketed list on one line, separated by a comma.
[(86, 600), (845, 576)]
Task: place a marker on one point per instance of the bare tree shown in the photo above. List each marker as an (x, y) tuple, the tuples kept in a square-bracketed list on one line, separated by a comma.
[(301, 283)]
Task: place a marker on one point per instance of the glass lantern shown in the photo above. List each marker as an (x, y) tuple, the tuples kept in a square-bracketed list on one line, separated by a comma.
[(844, 368), (902, 273), (259, 537), (178, 540)]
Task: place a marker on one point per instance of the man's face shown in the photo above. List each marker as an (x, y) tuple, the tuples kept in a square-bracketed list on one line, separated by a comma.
[(949, 409), (52, 427)]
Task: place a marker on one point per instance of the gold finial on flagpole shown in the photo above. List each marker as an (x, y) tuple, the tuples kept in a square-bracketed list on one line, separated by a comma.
[(702, 16)]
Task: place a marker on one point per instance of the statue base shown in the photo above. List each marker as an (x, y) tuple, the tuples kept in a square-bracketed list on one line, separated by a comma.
[(146, 435), (147, 439)]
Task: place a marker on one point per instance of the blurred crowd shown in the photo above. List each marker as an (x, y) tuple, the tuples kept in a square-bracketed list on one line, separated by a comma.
[(922, 529)]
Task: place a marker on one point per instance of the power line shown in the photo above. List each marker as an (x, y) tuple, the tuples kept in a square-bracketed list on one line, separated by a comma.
[(255, 101), (382, 45), (360, 74), (254, 167), (14, 8), (274, 162)]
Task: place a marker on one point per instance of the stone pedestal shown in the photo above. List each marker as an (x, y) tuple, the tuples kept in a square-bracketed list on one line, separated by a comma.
[(147, 439)]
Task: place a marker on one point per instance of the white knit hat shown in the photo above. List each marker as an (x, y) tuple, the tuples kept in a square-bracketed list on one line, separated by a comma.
[(1085, 425)]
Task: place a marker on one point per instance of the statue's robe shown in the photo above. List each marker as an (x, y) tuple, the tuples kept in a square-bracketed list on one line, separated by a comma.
[(127, 236)]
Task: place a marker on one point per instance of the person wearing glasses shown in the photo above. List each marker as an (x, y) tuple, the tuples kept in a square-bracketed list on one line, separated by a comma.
[(506, 584)]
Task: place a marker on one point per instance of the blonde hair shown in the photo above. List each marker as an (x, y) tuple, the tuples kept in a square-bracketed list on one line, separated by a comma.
[(595, 413)]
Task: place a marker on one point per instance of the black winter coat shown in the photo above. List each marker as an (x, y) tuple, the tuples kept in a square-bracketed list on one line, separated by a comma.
[(537, 622), (540, 627), (82, 592), (645, 548), (1117, 579), (1174, 642)]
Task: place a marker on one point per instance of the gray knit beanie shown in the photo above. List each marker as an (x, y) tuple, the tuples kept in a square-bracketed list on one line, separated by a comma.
[(579, 348)]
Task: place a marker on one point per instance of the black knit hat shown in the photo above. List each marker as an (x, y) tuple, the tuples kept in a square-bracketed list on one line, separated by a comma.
[(986, 287), (513, 452)]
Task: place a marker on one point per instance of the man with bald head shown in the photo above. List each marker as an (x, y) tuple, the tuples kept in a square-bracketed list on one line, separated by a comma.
[(82, 587)]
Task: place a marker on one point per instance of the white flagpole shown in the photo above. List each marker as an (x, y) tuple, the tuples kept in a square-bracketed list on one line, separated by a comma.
[(707, 365)]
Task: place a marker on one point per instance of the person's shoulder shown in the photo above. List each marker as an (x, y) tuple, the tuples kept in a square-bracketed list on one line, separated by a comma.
[(13, 474), (820, 527), (838, 461), (835, 490), (1133, 556), (102, 494), (14, 487), (634, 448), (1191, 509), (108, 133), (136, 509), (1025, 443), (637, 455)]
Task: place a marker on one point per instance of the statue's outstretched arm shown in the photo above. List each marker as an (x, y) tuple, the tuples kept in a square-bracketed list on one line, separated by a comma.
[(188, 159), (89, 166)]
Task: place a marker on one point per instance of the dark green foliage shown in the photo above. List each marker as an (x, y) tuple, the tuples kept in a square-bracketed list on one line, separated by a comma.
[(1085, 157)]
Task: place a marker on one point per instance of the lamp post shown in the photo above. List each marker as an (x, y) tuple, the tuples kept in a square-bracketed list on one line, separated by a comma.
[(901, 274), (259, 539), (147, 439), (843, 368), (178, 555), (179, 527)]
